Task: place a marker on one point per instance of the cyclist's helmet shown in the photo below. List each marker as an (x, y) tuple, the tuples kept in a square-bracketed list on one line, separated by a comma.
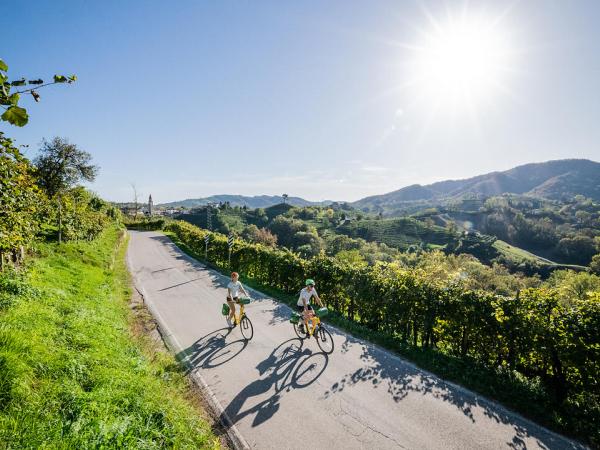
[(310, 282)]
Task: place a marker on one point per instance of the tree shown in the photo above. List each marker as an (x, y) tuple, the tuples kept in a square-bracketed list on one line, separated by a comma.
[(260, 235), (285, 197), (9, 98), (60, 166), (595, 264)]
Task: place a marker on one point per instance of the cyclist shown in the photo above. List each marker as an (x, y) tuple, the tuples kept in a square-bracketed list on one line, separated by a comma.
[(304, 305), (233, 296)]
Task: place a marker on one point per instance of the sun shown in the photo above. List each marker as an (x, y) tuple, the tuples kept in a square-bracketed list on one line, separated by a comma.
[(461, 63)]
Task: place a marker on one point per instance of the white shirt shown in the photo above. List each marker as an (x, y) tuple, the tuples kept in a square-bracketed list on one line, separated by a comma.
[(234, 288), (306, 295)]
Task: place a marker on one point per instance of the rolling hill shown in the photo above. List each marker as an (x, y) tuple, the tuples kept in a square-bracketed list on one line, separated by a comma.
[(554, 180), (257, 201)]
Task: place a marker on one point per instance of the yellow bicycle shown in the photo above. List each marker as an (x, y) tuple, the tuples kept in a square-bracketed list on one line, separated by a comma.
[(241, 318), (316, 328)]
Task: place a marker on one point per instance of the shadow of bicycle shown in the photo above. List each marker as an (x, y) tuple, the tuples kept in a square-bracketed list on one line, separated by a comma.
[(289, 366), (212, 350)]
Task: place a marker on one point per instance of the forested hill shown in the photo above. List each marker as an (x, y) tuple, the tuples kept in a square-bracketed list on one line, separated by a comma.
[(556, 180), (257, 201)]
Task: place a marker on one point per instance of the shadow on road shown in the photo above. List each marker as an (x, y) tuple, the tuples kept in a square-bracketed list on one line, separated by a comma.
[(289, 366), (212, 350), (399, 379)]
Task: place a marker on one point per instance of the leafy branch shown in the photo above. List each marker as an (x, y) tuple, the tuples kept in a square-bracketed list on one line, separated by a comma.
[(9, 101)]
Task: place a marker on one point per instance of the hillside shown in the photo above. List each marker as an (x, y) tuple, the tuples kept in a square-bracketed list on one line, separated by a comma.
[(257, 201), (555, 180)]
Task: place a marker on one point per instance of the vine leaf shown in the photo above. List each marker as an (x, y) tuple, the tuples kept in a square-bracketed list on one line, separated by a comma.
[(16, 116)]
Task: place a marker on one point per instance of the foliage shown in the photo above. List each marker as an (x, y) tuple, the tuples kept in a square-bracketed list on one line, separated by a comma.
[(60, 165), (10, 95), (595, 264), (71, 374), (259, 235), (533, 334), (20, 199), (573, 286), (146, 224)]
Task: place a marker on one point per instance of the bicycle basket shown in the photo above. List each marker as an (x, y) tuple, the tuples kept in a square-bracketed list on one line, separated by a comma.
[(225, 309)]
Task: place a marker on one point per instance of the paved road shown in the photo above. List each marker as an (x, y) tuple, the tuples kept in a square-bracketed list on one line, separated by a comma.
[(282, 393)]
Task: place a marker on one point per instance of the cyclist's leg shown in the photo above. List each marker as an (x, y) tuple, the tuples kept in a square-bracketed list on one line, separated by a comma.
[(307, 318), (231, 304), (300, 310)]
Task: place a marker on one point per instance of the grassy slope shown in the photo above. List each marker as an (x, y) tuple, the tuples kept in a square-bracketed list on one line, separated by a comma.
[(72, 375), (398, 232)]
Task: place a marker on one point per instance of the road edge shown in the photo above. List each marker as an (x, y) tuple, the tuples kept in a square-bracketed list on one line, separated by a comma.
[(235, 437)]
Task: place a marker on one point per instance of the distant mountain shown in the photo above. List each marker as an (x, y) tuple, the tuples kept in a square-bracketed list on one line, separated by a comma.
[(257, 201), (553, 180)]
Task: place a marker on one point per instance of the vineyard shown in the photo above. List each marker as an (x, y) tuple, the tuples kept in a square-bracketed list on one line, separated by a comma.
[(400, 233), (547, 347)]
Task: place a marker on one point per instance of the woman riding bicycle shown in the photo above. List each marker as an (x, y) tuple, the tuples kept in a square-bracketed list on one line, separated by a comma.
[(233, 296), (304, 305)]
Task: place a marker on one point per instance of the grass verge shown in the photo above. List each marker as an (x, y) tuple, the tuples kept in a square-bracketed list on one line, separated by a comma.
[(73, 374)]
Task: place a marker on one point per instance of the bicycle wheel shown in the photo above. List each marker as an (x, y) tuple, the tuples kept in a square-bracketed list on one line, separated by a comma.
[(246, 328), (301, 334), (324, 340)]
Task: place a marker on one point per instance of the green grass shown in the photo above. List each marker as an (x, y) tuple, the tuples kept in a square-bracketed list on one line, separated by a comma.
[(72, 372), (517, 254)]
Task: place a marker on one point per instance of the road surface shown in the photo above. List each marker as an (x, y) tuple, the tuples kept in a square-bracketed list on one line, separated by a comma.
[(282, 393)]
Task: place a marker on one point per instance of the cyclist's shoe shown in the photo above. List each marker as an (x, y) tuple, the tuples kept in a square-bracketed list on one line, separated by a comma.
[(301, 327)]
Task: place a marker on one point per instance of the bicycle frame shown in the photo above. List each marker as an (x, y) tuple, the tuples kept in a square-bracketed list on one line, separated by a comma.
[(238, 317), (316, 321)]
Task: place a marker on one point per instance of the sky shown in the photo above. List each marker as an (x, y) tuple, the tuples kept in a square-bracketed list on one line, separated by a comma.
[(324, 100)]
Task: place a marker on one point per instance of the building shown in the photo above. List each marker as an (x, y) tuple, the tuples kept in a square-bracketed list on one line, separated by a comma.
[(150, 205)]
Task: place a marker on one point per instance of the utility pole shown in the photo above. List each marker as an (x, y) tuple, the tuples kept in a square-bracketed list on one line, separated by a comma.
[(208, 217)]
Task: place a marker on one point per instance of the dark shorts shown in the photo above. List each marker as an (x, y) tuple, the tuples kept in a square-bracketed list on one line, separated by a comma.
[(301, 308), (234, 299)]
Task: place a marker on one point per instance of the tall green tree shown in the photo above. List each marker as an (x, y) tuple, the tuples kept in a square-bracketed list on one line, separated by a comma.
[(60, 166)]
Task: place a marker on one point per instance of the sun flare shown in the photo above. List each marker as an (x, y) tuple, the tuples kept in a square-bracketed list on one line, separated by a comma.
[(461, 63)]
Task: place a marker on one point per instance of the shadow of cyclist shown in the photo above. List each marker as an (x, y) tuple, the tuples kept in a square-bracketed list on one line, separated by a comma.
[(289, 366), (212, 350)]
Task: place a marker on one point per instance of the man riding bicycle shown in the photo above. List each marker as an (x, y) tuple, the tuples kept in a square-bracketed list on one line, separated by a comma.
[(304, 305)]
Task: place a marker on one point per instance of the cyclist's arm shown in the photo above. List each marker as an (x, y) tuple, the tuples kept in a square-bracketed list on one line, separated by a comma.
[(244, 291), (319, 300), (303, 302)]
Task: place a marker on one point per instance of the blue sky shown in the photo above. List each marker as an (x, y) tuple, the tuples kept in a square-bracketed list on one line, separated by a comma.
[(314, 98)]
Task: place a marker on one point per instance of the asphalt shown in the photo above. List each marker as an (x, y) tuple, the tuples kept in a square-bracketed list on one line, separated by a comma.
[(279, 392)]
